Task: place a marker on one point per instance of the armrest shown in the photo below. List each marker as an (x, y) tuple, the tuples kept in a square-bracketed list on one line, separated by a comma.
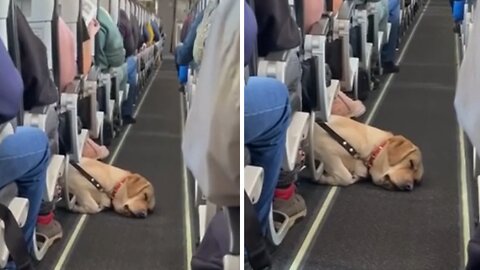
[(253, 182), (274, 65)]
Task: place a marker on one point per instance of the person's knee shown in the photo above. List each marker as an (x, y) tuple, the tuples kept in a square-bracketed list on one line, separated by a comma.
[(32, 132), (271, 92), (269, 87), (38, 136)]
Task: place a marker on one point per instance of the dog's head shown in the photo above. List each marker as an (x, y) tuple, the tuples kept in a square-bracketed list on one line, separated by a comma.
[(399, 166), (135, 198)]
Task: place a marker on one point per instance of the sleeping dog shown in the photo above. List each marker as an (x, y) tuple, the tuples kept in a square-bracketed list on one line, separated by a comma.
[(129, 194), (392, 161)]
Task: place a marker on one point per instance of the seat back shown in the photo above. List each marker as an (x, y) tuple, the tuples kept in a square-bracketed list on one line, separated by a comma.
[(342, 32), (312, 12), (88, 13), (277, 28), (42, 17), (35, 60), (122, 4), (4, 9), (336, 5), (114, 10), (69, 12), (285, 66), (128, 7), (315, 77), (67, 54), (105, 4)]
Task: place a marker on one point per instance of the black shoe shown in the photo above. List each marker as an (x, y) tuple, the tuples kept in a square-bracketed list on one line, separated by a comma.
[(375, 83), (457, 28), (390, 67), (181, 89), (128, 120)]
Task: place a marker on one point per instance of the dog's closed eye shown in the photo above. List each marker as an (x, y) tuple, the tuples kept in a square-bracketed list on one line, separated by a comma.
[(146, 196), (412, 164)]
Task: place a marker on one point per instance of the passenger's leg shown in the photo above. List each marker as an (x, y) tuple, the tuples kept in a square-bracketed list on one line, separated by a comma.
[(127, 106), (24, 158), (457, 14), (267, 116), (388, 50)]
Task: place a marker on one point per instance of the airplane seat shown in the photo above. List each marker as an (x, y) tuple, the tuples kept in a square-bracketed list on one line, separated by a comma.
[(71, 84), (321, 93), (376, 34), (114, 10), (360, 30), (87, 28), (35, 34), (336, 6), (350, 65), (110, 59)]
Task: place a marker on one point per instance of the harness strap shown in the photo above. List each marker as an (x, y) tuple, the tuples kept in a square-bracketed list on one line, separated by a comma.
[(87, 176), (348, 147)]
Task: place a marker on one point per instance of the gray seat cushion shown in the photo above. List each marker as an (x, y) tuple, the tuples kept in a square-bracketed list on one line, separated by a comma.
[(8, 193)]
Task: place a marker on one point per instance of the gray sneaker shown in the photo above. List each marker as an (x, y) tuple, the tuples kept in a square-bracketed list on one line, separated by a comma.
[(289, 211)]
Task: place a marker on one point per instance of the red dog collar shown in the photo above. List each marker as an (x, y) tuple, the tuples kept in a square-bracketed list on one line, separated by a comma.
[(376, 151), (117, 187)]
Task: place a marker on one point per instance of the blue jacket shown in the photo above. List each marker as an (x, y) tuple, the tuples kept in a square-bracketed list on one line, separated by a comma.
[(184, 53), (11, 88)]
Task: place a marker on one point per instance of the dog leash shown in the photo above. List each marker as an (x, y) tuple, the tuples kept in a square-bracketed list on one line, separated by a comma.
[(87, 176), (348, 147)]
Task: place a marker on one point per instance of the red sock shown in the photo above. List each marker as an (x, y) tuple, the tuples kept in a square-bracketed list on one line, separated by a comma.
[(285, 193), (45, 219)]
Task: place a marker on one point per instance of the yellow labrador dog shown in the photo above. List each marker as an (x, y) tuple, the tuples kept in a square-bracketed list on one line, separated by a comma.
[(392, 161), (127, 193)]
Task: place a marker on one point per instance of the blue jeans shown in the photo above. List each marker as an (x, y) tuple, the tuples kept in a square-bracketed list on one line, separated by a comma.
[(127, 106), (24, 158), (388, 50), (267, 116)]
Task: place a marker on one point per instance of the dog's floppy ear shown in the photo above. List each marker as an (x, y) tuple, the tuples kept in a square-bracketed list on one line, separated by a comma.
[(135, 183), (398, 148)]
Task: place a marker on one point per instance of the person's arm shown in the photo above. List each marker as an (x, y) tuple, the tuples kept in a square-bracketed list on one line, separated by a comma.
[(211, 142), (11, 88)]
